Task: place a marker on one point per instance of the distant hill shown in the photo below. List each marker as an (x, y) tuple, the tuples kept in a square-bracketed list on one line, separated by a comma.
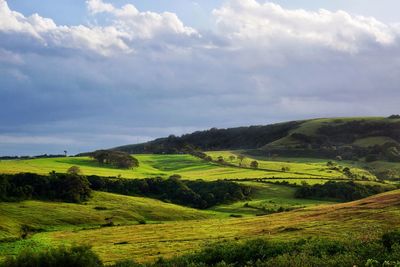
[(349, 138)]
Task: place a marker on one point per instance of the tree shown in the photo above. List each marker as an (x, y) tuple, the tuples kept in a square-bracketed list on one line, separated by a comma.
[(232, 157), (118, 159), (74, 188), (254, 164), (285, 169), (240, 158), (74, 170)]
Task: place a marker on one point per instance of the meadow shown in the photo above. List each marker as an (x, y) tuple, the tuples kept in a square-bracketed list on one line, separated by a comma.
[(313, 168), (101, 209), (268, 198), (144, 229), (189, 167), (365, 219)]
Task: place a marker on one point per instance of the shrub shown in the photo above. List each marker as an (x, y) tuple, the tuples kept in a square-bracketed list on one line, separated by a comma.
[(391, 238), (77, 256)]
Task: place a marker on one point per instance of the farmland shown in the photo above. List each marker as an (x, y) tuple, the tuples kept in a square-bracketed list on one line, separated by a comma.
[(189, 167), (365, 219)]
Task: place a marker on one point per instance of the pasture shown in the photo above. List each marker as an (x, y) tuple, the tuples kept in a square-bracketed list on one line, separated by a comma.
[(364, 219), (189, 167)]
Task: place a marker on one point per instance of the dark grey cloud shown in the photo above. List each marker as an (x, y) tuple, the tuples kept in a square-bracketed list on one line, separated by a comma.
[(143, 75)]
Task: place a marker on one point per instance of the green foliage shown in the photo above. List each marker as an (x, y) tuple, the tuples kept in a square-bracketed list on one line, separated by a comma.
[(76, 256), (347, 191), (66, 187), (197, 194), (257, 252), (118, 159), (74, 170), (302, 253), (390, 239), (254, 164), (215, 139)]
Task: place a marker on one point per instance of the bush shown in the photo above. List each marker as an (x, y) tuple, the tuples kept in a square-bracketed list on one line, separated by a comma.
[(76, 256), (390, 239)]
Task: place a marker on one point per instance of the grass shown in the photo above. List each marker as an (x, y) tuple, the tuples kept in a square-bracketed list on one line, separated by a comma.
[(187, 166), (267, 197), (372, 141), (392, 168), (310, 128), (364, 219), (313, 168), (121, 210)]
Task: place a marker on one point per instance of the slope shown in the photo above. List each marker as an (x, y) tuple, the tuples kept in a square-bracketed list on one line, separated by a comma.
[(363, 219), (151, 165), (355, 131), (102, 209)]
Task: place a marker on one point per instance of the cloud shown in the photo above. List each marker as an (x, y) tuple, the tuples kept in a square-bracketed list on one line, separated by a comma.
[(97, 6), (141, 25), (131, 75), (270, 25), (127, 27)]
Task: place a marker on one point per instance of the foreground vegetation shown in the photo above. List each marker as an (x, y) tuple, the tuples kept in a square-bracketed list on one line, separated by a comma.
[(384, 251)]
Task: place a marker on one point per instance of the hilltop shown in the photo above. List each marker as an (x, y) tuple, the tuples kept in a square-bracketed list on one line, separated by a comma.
[(370, 138)]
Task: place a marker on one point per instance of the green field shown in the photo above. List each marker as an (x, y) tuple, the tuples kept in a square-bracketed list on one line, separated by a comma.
[(364, 219), (144, 229), (102, 208), (46, 219), (313, 168), (187, 166), (268, 197)]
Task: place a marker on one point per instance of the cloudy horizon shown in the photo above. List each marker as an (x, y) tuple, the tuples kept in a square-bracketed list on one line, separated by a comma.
[(98, 74)]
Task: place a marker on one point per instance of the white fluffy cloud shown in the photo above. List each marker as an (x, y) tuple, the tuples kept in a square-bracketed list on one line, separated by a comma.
[(128, 26), (141, 25), (269, 25)]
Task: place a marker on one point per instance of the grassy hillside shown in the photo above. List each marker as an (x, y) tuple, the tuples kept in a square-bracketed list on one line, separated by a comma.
[(312, 128), (187, 166), (293, 166), (268, 198), (364, 219), (360, 132), (101, 209)]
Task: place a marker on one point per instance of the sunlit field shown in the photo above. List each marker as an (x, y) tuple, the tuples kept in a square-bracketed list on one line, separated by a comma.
[(189, 167)]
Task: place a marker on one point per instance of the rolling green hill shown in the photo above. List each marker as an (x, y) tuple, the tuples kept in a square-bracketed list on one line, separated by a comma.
[(349, 138), (103, 208), (364, 219), (189, 167)]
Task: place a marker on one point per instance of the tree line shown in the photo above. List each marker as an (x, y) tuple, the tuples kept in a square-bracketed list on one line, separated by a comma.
[(197, 194), (68, 187), (73, 187), (346, 191)]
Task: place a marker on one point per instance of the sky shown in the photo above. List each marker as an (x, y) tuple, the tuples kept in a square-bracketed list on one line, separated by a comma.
[(82, 75)]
